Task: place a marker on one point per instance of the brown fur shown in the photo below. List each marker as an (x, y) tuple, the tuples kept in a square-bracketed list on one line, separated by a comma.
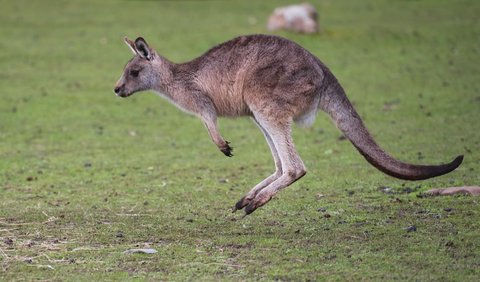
[(275, 82)]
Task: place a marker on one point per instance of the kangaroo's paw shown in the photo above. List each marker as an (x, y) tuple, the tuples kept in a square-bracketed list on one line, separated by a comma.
[(226, 149), (260, 200), (243, 202)]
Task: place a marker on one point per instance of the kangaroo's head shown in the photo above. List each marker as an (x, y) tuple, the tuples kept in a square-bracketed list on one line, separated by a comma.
[(141, 72)]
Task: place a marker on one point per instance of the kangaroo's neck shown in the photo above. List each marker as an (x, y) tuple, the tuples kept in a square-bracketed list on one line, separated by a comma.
[(176, 82), (163, 77)]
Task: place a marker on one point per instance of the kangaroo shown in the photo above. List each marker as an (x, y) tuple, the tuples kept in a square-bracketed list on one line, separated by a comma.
[(275, 82)]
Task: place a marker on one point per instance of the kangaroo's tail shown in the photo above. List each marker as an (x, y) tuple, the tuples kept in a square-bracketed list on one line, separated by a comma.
[(336, 104)]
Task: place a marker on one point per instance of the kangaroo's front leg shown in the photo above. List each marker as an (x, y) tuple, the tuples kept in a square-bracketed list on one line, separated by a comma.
[(210, 121), (202, 106)]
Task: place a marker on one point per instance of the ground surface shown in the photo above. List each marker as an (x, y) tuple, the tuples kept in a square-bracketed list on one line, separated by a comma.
[(85, 175)]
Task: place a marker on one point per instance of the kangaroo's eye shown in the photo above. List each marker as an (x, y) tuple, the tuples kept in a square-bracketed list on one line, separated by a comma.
[(134, 73)]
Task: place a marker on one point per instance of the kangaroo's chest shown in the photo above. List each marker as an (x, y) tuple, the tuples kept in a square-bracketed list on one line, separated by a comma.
[(226, 91)]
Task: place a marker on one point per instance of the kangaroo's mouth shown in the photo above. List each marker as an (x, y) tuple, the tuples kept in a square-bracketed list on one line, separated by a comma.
[(123, 95), (121, 91)]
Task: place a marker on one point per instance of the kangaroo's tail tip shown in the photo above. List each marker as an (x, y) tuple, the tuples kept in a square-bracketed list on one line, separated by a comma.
[(456, 162), (425, 172)]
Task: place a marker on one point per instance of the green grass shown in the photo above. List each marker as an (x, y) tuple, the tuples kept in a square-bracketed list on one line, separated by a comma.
[(85, 175)]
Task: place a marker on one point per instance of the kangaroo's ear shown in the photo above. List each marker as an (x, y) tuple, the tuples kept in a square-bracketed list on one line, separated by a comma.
[(130, 44), (142, 48)]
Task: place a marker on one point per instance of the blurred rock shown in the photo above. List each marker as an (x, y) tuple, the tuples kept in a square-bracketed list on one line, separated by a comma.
[(411, 228), (140, 251), (302, 18), (468, 190)]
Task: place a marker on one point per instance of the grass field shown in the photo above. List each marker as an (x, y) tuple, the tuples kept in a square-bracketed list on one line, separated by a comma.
[(85, 175)]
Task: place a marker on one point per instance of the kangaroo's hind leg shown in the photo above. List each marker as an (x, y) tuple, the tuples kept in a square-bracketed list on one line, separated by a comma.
[(293, 168), (278, 172)]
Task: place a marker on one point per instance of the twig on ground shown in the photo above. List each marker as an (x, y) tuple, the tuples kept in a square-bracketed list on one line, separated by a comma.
[(133, 214), (43, 266)]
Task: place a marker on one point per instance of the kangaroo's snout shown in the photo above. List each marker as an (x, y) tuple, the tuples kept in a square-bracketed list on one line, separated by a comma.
[(120, 91)]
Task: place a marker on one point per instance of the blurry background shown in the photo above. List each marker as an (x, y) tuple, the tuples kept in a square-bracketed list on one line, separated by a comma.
[(73, 153)]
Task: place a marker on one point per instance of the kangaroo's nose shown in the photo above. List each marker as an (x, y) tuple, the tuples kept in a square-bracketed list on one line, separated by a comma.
[(117, 89)]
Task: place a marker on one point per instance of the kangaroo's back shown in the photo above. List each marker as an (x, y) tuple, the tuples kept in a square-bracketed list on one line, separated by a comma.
[(257, 69)]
